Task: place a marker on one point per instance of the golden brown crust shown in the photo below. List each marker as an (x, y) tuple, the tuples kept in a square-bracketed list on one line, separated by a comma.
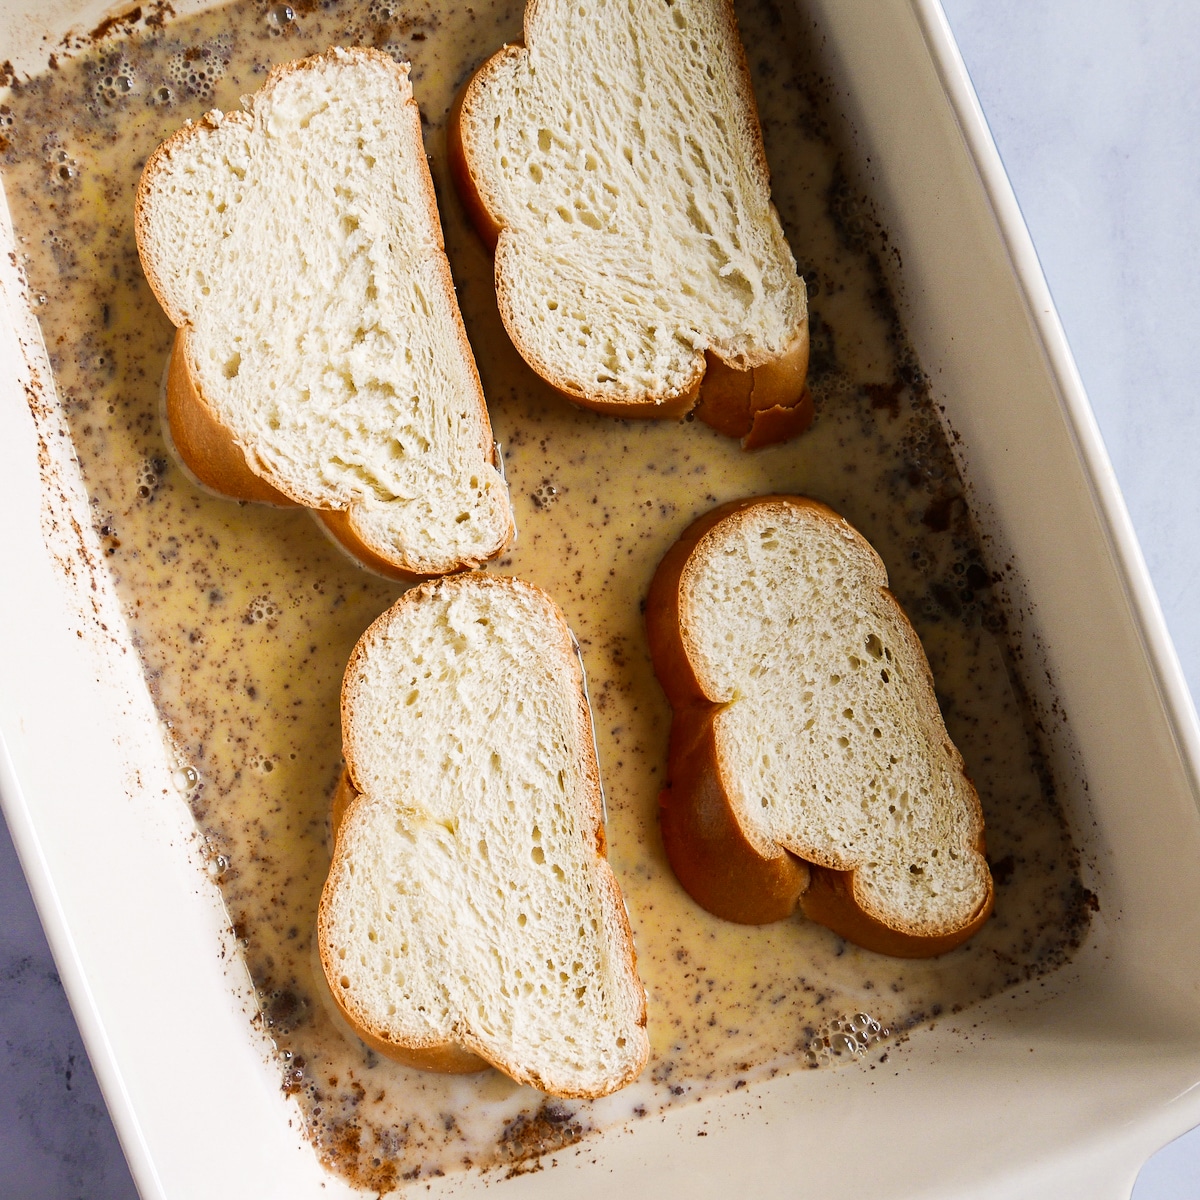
[(467, 1056), (718, 867), (762, 404), (450, 1058), (831, 901), (206, 446), (706, 845), (204, 443), (343, 796), (486, 225), (340, 527), (780, 423)]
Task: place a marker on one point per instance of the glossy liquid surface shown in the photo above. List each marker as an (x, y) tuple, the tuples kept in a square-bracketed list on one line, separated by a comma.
[(245, 615)]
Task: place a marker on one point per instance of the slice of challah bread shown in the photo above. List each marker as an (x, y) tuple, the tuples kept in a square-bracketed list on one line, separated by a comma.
[(470, 915), (809, 762), (616, 163), (321, 357)]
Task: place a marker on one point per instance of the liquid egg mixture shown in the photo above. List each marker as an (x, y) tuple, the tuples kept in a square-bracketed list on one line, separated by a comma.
[(244, 615)]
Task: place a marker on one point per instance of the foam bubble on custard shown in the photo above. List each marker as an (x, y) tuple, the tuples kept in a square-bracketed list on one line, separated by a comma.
[(197, 70), (263, 610), (844, 1040), (148, 476), (264, 764), (113, 80), (280, 17)]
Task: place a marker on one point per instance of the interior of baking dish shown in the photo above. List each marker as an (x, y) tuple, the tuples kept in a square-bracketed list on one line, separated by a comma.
[(1058, 1085)]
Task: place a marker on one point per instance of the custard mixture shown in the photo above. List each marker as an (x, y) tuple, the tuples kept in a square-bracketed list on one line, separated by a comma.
[(245, 615)]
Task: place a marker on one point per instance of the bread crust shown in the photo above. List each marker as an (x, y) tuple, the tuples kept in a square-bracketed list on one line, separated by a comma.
[(338, 523), (467, 1054), (831, 901), (213, 455), (728, 872), (206, 445), (450, 1058), (762, 403), (717, 864)]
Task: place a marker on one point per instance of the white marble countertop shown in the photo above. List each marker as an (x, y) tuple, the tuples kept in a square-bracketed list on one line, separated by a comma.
[(1095, 106)]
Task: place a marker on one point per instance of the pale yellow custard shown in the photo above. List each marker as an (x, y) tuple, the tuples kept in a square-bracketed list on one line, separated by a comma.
[(245, 615)]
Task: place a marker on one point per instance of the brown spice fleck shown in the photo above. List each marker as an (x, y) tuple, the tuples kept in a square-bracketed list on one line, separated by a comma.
[(885, 395), (131, 17), (531, 1135)]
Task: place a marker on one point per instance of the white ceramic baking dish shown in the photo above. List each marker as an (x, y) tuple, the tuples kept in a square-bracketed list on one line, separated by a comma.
[(1060, 1089)]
